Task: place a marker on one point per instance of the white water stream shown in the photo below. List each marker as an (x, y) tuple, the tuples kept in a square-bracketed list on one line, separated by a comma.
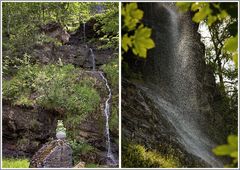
[(111, 159)]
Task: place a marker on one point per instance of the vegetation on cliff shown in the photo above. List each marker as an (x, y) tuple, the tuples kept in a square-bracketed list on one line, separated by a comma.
[(40, 42)]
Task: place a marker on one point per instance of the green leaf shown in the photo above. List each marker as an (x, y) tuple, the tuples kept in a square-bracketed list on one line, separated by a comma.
[(202, 13), (142, 41), (184, 6), (233, 141), (235, 59), (231, 44), (211, 20), (132, 15), (196, 6), (126, 41), (223, 150), (234, 154)]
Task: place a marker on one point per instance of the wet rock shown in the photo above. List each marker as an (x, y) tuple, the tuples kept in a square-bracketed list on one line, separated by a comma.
[(172, 104), (55, 154)]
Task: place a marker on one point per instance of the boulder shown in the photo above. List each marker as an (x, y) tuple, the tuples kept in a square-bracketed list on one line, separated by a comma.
[(54, 154)]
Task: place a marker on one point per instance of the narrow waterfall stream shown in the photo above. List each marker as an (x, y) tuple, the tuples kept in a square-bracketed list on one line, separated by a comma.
[(92, 55), (84, 33), (111, 160)]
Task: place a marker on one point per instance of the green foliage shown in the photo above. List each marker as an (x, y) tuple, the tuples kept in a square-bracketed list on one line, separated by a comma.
[(80, 148), (21, 23), (132, 15), (15, 63), (111, 70), (55, 87), (231, 46), (108, 42), (138, 157), (15, 163), (44, 39), (141, 40), (230, 149), (114, 120), (108, 26)]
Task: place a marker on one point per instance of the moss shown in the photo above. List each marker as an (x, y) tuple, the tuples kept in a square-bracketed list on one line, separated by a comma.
[(137, 156)]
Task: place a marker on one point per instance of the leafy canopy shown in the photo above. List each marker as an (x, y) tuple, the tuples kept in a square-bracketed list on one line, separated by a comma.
[(141, 40)]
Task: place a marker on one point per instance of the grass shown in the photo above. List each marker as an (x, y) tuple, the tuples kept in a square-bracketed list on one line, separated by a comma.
[(15, 163)]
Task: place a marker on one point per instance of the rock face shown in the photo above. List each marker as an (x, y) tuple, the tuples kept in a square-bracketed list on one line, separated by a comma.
[(26, 129), (55, 30), (55, 154), (76, 54), (74, 50), (172, 104)]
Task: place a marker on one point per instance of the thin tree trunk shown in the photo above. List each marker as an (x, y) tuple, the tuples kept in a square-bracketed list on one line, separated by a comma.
[(8, 21)]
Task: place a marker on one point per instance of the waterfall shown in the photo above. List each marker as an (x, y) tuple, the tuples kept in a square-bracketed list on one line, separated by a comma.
[(93, 59), (173, 80), (84, 32), (110, 156)]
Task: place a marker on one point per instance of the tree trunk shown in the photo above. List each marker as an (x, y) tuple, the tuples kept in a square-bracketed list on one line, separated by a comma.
[(8, 21)]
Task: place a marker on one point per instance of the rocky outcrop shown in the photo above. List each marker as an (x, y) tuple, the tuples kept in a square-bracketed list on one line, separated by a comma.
[(55, 30), (74, 49), (55, 154), (25, 129), (170, 107), (78, 55)]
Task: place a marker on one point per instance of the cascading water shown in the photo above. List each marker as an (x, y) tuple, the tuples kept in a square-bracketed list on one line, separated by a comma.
[(93, 59), (84, 32), (111, 160), (173, 80)]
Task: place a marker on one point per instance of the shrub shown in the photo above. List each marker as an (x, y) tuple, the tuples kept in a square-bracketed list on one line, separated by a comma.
[(54, 87), (80, 148), (112, 72)]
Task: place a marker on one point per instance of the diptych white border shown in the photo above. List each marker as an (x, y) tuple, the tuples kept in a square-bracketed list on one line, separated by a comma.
[(120, 77)]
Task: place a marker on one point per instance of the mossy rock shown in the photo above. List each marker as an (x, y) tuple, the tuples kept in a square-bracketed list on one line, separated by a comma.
[(55, 154)]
